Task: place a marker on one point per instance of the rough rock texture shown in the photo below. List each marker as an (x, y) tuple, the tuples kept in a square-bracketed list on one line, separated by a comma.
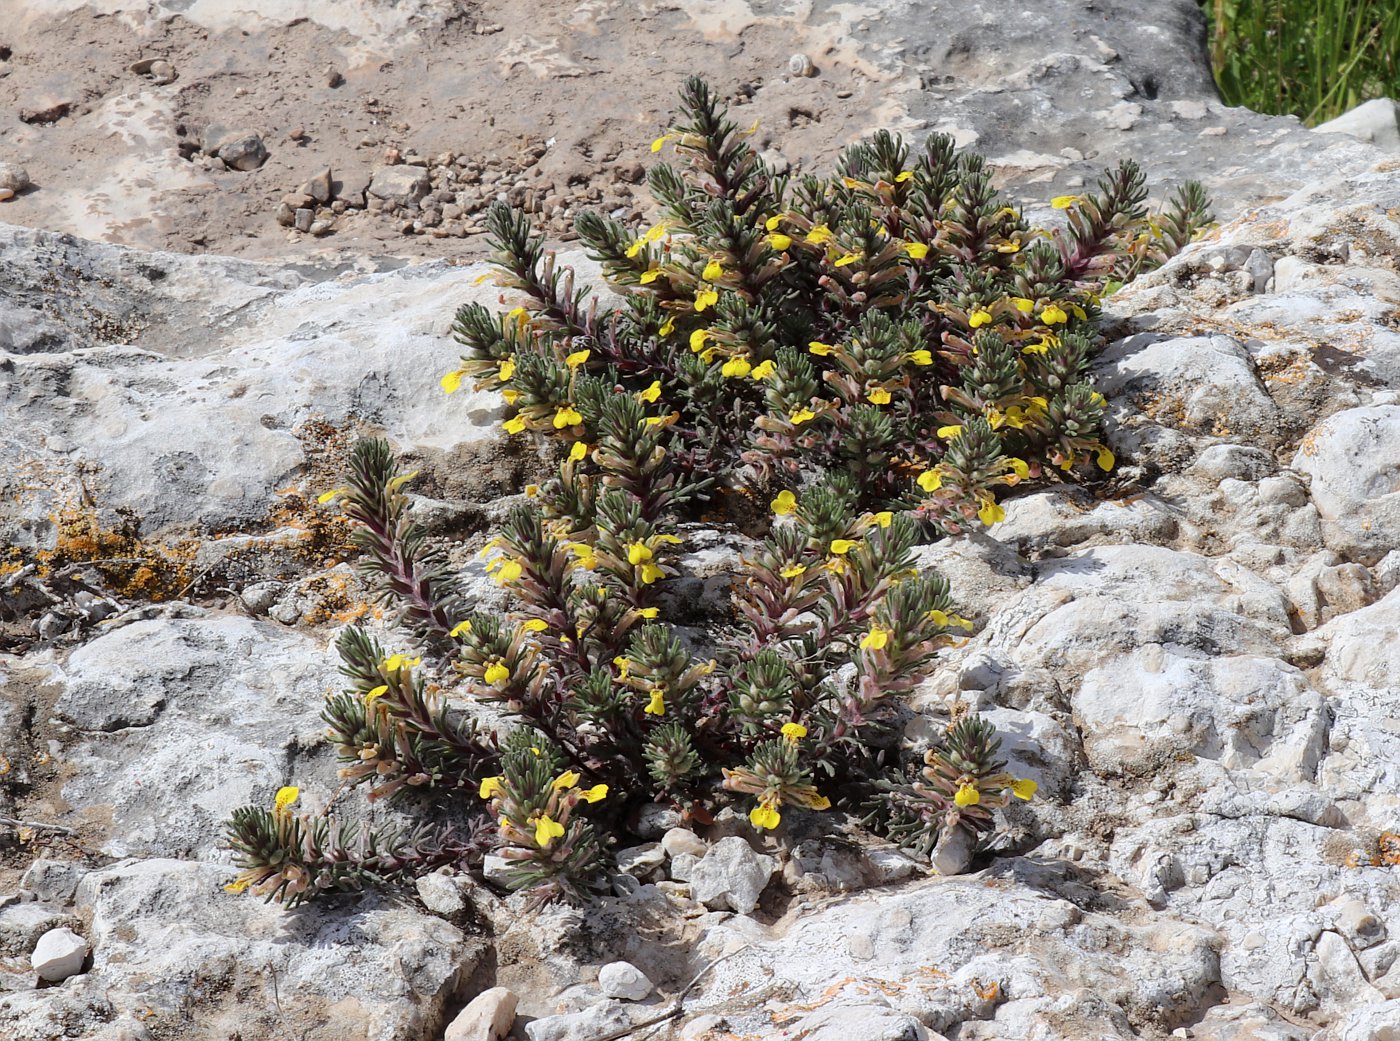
[(1197, 666)]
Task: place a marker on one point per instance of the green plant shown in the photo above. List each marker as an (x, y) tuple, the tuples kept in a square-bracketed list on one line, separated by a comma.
[(1312, 58), (879, 355)]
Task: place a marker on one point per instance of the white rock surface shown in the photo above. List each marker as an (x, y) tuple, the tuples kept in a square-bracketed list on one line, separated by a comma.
[(58, 954), (1376, 121), (731, 875), (487, 1017), (622, 979)]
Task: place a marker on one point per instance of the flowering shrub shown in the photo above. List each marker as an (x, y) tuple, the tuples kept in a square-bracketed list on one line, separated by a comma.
[(879, 356)]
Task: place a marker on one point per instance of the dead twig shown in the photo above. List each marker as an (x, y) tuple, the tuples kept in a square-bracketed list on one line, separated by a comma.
[(676, 1009), (14, 822)]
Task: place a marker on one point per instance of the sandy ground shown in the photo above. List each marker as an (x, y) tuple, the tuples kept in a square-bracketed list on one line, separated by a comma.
[(560, 100)]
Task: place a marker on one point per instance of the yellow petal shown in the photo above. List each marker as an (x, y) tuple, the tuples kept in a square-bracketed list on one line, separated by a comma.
[(401, 480), (510, 571), (657, 705), (577, 358), (979, 318), (930, 480), (515, 426), (878, 396), (875, 639), (597, 793), (921, 357), (821, 802), (819, 234), (667, 327), (779, 241), (1023, 305), (843, 546), (793, 570), (547, 830), (698, 338), (461, 628), (1020, 468), (656, 145), (648, 612), (451, 381), (820, 349), (848, 259), (506, 369), (326, 497), (286, 795), (638, 553), (884, 518), (801, 416), (534, 625), (496, 674), (511, 395), (490, 786), (577, 451), (649, 276), (705, 298), (991, 513), (375, 692), (1105, 459), (567, 416), (1024, 789), (1053, 315), (1064, 202), (651, 393), (765, 815), (907, 175), (567, 779), (916, 250), (952, 430), (771, 224), (651, 573), (736, 367), (714, 270), (967, 795), (762, 370), (794, 732)]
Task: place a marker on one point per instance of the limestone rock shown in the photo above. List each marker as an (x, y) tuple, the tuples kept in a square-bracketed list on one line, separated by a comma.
[(400, 184), (14, 177), (487, 1017), (1376, 121), (622, 979), (682, 840), (59, 954), (1353, 459), (731, 875)]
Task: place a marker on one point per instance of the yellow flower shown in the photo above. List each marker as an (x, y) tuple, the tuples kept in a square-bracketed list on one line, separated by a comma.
[(793, 570), (1009, 246), (706, 297), (577, 358), (1052, 315), (1024, 789), (821, 233), (1105, 459), (878, 396), (638, 553), (921, 357), (1020, 468), (668, 326), (567, 779), (801, 416), (622, 666), (784, 503), (875, 639), (771, 224), (286, 795), (698, 338), (378, 691), (651, 393), (968, 795), (577, 451), (779, 241), (496, 674), (401, 480), (951, 431), (821, 802), (907, 175), (238, 885), (938, 618), (848, 259), (991, 513), (547, 830), (534, 625), (649, 276), (506, 369), (657, 705), (511, 395), (916, 250), (648, 612), (736, 366), (930, 480), (979, 318), (657, 145), (765, 815), (1022, 304), (843, 546), (452, 380), (651, 573), (884, 518), (510, 571), (566, 416), (401, 661), (794, 732), (820, 349), (490, 786), (597, 793), (714, 270), (532, 490), (334, 493), (762, 370), (1064, 202), (1036, 348), (518, 313), (515, 426)]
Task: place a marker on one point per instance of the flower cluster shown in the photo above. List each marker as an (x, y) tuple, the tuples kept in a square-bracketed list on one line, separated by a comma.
[(878, 357)]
